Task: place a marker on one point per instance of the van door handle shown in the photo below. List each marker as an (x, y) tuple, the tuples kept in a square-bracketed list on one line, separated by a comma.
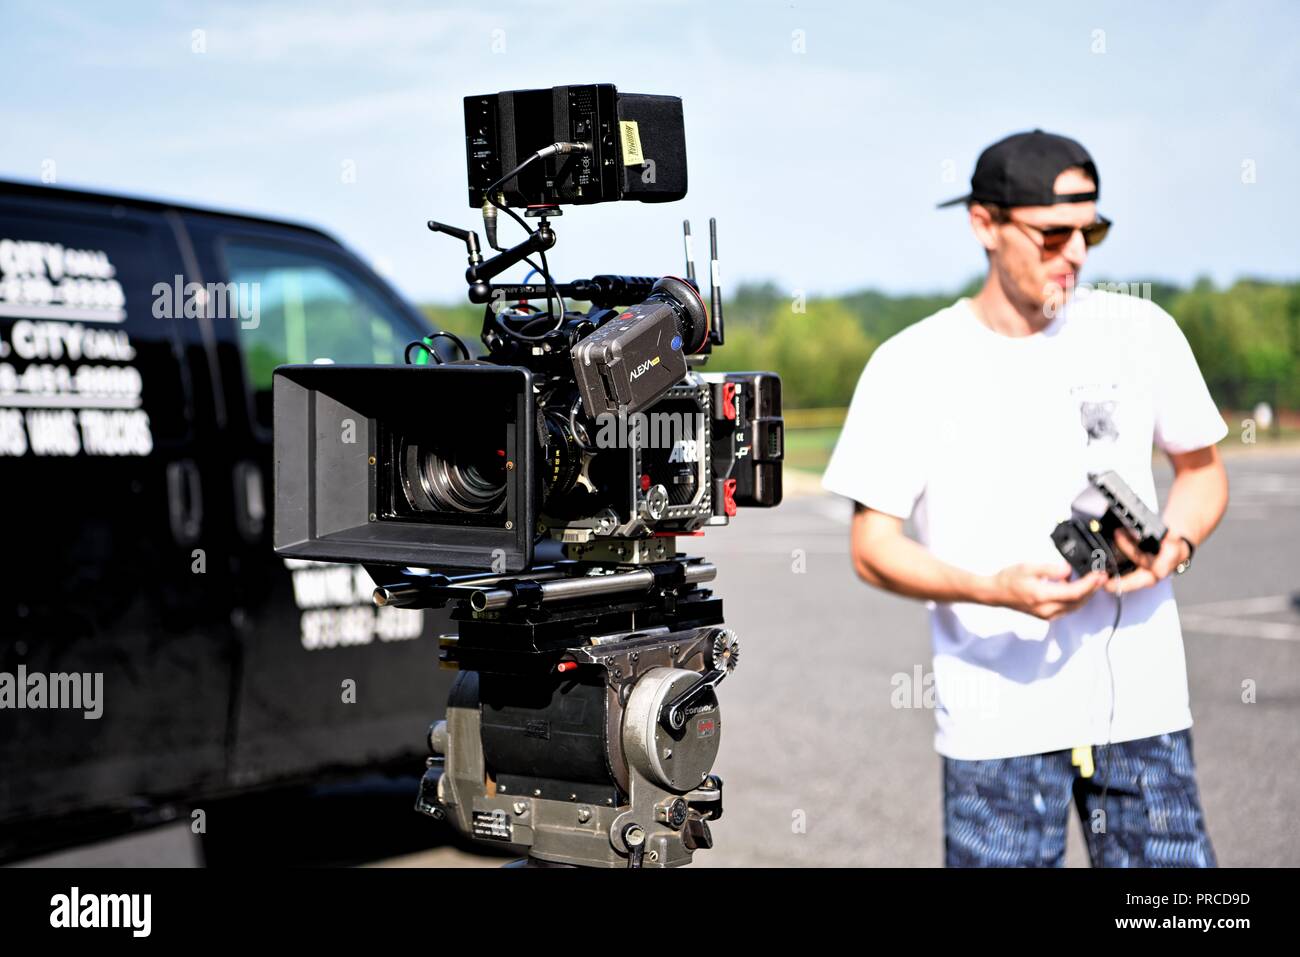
[(250, 504), (184, 501)]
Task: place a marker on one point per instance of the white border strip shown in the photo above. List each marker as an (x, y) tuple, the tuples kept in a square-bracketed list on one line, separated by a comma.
[(37, 311), (24, 401)]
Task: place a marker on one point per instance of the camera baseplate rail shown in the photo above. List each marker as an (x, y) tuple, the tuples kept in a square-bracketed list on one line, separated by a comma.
[(549, 584)]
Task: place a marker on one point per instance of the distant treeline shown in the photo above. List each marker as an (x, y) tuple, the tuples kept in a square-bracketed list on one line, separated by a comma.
[(1246, 337)]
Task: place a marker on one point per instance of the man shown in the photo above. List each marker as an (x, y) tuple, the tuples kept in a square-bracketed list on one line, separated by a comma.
[(982, 423)]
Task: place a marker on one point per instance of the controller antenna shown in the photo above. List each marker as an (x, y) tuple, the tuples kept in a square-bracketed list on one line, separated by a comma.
[(690, 252), (715, 282)]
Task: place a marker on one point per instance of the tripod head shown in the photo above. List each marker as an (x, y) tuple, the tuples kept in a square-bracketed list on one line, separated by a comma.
[(584, 721)]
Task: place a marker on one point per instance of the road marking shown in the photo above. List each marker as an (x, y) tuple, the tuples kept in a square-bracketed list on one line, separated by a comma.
[(1273, 501), (1265, 605), (1267, 482), (1222, 618), (837, 510), (1234, 628)]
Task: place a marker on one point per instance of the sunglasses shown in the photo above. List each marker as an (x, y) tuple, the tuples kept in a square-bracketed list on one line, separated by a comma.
[(1054, 238)]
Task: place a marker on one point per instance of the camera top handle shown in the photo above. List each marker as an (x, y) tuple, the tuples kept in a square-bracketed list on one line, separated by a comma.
[(480, 270)]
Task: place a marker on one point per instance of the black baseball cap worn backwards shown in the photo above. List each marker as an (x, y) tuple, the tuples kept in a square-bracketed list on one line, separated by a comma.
[(1021, 170)]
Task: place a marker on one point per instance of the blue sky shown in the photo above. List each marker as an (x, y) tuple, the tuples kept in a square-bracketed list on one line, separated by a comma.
[(823, 166)]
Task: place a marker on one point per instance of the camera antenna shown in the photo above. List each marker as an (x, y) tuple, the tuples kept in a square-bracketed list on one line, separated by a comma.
[(715, 282), (690, 252)]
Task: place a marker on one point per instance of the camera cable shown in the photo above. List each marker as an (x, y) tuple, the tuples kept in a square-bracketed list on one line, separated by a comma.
[(1104, 754), (490, 226), (428, 352)]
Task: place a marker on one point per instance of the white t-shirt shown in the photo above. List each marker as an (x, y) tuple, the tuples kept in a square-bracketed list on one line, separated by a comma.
[(990, 438)]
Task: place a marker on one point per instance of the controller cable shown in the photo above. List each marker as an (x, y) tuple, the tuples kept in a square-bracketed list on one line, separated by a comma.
[(1110, 671)]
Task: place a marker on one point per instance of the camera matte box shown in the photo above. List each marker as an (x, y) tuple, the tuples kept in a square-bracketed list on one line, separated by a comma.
[(330, 424)]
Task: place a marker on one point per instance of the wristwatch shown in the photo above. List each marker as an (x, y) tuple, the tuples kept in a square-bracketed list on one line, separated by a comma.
[(1186, 563)]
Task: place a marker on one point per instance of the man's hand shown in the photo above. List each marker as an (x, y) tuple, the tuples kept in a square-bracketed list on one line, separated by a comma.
[(1043, 590), (887, 558), (1196, 502), (1150, 568)]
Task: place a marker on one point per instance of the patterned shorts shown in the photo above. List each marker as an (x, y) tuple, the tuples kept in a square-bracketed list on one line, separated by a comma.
[(1139, 808)]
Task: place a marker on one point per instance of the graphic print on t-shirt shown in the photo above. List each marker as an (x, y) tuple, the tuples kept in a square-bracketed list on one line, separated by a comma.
[(1097, 404)]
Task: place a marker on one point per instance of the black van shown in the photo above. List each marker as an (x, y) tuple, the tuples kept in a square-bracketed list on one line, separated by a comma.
[(137, 341)]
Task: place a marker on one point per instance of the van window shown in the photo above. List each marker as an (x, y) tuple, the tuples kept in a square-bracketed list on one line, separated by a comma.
[(309, 308)]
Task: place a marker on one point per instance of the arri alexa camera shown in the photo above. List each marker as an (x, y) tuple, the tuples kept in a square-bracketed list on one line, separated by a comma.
[(540, 491)]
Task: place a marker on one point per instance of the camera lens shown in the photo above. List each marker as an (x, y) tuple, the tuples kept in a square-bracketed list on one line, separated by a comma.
[(468, 480)]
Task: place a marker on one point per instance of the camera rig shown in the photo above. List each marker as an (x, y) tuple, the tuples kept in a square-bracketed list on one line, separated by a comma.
[(584, 721), (539, 492)]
